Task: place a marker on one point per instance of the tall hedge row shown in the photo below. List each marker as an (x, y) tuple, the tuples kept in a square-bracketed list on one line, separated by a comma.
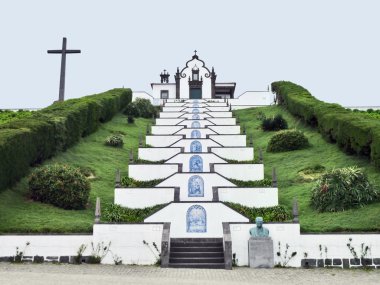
[(25, 142), (354, 132)]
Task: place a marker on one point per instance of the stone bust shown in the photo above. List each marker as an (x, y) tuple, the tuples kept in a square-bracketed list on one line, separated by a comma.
[(259, 230)]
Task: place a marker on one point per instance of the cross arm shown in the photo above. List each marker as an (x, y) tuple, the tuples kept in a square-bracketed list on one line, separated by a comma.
[(73, 51), (54, 51)]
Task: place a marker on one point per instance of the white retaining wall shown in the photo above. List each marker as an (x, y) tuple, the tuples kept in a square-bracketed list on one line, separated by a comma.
[(202, 123), (220, 114), (143, 197), (165, 130), (250, 197), (127, 241), (216, 213), (162, 141), (173, 109), (157, 153), (226, 130), (234, 153), (230, 140), (170, 114), (167, 121), (190, 116), (223, 121), (146, 172), (186, 143), (243, 172), (187, 132)]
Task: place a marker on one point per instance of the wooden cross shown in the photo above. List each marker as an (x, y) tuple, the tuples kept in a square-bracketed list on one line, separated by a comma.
[(63, 52)]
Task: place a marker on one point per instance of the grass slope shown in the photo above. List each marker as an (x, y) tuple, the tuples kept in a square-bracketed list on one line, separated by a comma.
[(292, 185), (19, 214)]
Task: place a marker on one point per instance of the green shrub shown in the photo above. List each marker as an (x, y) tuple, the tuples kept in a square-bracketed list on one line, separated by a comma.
[(132, 183), (269, 214), (131, 119), (31, 140), (274, 124), (287, 140), (60, 185), (354, 132), (115, 140), (342, 189), (117, 214), (140, 108), (259, 183)]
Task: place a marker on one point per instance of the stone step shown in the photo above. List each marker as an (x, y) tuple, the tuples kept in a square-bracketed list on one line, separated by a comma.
[(197, 265), (197, 254), (196, 244), (197, 239), (196, 260), (196, 249)]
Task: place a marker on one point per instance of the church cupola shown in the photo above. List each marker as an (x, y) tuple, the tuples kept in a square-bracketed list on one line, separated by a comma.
[(164, 76)]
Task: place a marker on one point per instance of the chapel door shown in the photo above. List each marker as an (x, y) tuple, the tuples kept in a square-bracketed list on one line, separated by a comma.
[(195, 93)]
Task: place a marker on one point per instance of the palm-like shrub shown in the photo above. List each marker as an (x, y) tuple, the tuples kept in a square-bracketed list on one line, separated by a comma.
[(115, 141), (342, 189), (287, 140), (60, 185)]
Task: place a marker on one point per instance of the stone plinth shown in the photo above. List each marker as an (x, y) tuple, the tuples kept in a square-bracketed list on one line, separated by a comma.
[(260, 252)]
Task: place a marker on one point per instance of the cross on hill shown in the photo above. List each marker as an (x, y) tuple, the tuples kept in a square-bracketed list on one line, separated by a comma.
[(63, 52)]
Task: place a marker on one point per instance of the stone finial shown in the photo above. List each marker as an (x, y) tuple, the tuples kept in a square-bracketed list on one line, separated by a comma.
[(243, 129), (140, 140), (250, 140), (131, 156), (230, 107), (153, 117), (117, 179), (97, 211), (261, 160), (295, 211), (274, 177), (237, 119), (147, 129)]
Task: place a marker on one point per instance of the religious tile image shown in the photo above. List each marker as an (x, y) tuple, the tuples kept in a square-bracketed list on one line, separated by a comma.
[(196, 186), (196, 164), (196, 219)]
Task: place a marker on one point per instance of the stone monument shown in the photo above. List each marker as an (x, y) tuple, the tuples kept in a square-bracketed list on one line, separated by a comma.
[(260, 246)]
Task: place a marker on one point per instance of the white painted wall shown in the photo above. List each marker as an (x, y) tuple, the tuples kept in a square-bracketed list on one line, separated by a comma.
[(187, 132), (157, 87), (170, 114), (250, 197), (173, 109), (146, 172), (190, 116), (136, 198), (226, 130), (127, 241), (174, 104), (190, 110), (167, 121), (181, 180), (220, 114), (203, 123), (162, 141), (157, 153), (223, 121), (165, 130), (44, 245), (234, 153), (217, 213), (230, 140), (284, 233), (218, 108), (243, 172), (186, 143), (184, 158)]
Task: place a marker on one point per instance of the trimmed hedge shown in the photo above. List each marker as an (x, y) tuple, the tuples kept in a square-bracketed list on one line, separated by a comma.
[(29, 141), (270, 214), (354, 132)]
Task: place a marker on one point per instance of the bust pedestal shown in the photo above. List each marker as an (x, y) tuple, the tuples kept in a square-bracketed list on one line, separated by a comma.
[(260, 252)]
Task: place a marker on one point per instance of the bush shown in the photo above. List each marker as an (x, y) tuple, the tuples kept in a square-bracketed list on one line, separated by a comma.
[(117, 214), (342, 189), (269, 214), (28, 141), (274, 124), (131, 119), (60, 185), (140, 108), (115, 141), (354, 132), (287, 141)]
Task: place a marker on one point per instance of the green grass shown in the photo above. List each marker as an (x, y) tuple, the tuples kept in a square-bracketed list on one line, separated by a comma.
[(292, 185), (20, 214)]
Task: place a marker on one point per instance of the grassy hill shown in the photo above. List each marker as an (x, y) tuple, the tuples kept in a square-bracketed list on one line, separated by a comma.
[(19, 214), (292, 183)]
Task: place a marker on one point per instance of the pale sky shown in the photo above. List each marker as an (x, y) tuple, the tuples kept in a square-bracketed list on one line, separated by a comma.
[(330, 47)]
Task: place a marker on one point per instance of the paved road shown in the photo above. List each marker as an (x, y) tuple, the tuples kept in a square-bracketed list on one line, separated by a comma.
[(41, 274)]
